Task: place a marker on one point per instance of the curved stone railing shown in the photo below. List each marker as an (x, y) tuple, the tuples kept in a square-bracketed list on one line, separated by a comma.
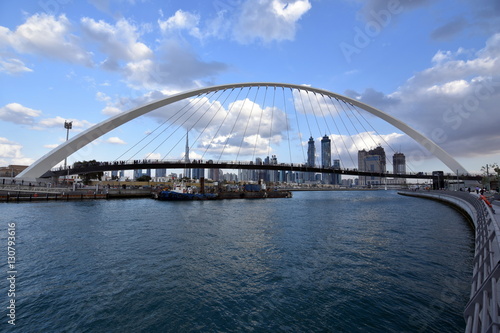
[(482, 311)]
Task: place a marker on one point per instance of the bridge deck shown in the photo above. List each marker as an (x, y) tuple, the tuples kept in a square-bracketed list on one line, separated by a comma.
[(148, 164)]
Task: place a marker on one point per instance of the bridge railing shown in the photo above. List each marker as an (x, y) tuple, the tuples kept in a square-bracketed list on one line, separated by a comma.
[(192, 162), (482, 311)]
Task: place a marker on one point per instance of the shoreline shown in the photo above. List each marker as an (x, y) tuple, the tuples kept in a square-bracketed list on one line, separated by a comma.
[(54, 195)]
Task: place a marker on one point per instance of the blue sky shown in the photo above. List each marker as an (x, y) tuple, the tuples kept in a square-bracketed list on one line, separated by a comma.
[(433, 64)]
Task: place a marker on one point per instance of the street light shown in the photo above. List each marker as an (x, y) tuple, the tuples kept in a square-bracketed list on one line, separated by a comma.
[(67, 125)]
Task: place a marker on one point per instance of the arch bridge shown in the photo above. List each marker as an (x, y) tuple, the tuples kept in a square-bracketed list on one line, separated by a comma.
[(42, 167)]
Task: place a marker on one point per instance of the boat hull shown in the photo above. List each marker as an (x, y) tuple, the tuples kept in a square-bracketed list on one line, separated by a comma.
[(176, 196)]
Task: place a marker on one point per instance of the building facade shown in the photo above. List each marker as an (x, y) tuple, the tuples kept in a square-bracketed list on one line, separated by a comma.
[(399, 166), (374, 161), (326, 158)]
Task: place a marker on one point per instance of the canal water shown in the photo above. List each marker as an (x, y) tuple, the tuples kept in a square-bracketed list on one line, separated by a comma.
[(319, 262)]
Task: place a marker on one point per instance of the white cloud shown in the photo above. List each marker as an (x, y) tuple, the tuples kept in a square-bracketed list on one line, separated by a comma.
[(176, 66), (153, 156), (51, 146), (119, 42), (456, 87), (181, 21), (18, 114), (173, 64), (111, 110), (46, 35), (59, 122), (216, 129), (13, 66), (269, 20), (115, 140), (10, 153), (102, 97)]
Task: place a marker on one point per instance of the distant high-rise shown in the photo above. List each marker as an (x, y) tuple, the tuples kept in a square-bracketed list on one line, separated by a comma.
[(326, 152), (214, 174), (274, 174), (311, 152), (372, 161), (311, 156), (161, 173), (137, 173), (337, 177), (198, 173), (399, 166), (187, 171), (326, 158)]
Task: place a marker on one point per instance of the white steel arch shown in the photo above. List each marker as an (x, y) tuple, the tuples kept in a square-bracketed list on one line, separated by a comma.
[(64, 150)]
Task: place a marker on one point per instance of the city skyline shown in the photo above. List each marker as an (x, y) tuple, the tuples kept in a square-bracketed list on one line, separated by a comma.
[(86, 61)]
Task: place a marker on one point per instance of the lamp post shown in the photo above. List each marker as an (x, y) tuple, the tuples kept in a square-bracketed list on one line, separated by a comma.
[(67, 125)]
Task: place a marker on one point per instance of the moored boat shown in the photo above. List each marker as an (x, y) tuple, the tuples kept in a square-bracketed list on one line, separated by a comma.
[(181, 192)]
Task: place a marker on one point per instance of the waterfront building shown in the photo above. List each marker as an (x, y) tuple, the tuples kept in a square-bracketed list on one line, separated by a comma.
[(260, 174), (374, 161), (161, 172), (274, 174), (213, 174), (12, 170), (198, 173), (137, 173)]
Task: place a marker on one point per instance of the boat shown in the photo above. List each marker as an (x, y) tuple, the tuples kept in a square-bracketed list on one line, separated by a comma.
[(181, 193)]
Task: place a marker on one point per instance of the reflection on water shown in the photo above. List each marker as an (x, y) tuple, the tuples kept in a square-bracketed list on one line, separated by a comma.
[(321, 261)]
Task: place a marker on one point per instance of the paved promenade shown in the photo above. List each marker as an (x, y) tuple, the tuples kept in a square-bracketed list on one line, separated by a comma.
[(482, 311)]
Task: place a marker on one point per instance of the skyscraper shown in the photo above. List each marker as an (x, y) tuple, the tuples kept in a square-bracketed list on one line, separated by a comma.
[(337, 177), (399, 166), (326, 158), (311, 152), (161, 173), (187, 171), (274, 174), (326, 152), (198, 173), (311, 156)]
